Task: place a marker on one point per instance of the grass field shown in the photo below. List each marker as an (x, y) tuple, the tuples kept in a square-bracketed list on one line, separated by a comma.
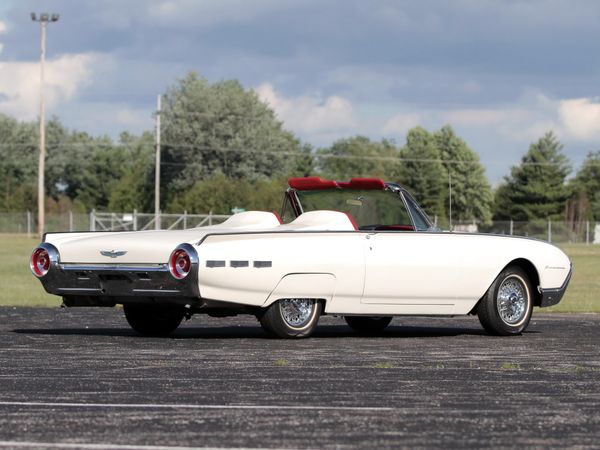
[(18, 287)]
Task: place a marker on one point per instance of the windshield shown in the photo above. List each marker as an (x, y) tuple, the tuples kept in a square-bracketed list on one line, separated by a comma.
[(371, 209)]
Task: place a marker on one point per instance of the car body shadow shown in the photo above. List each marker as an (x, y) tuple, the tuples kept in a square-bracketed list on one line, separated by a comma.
[(256, 332)]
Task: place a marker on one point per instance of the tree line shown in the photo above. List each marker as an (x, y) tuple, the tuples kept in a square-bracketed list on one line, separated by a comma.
[(224, 148)]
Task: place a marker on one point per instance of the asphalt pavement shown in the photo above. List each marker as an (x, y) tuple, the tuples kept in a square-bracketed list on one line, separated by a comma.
[(80, 378)]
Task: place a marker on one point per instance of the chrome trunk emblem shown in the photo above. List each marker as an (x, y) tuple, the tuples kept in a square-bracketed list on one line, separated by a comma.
[(112, 253)]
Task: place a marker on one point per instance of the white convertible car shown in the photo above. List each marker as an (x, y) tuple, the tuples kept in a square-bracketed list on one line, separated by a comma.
[(361, 249)]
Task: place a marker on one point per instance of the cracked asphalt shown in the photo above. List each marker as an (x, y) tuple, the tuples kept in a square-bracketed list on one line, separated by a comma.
[(80, 378)]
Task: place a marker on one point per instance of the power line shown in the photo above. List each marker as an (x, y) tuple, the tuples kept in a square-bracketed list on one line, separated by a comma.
[(297, 154)]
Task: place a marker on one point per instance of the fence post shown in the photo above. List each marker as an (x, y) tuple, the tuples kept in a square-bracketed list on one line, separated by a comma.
[(185, 220), (93, 220), (511, 227), (135, 220), (587, 232), (210, 218), (549, 231), (70, 220), (28, 224)]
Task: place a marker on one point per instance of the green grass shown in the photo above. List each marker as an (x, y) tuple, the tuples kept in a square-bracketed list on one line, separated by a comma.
[(510, 366), (583, 293), (18, 287), (384, 365)]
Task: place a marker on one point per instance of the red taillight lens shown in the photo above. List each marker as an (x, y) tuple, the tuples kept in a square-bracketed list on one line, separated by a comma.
[(180, 264), (40, 262)]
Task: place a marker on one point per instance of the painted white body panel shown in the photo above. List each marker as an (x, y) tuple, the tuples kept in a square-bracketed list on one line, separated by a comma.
[(320, 255), (150, 247)]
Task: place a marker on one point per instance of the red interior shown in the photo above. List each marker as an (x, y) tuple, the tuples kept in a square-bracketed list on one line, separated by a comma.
[(315, 183), (363, 183), (278, 217), (395, 227), (354, 224), (311, 183)]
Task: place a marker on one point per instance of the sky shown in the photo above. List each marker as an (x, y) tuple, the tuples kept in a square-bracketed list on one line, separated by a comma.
[(502, 73)]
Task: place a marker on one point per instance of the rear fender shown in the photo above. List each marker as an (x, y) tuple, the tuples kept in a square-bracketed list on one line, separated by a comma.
[(303, 285)]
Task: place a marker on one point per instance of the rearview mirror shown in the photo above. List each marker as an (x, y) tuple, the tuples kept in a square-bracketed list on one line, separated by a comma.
[(354, 202)]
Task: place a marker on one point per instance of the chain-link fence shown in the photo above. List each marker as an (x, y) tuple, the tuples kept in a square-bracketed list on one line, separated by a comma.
[(25, 223), (548, 230)]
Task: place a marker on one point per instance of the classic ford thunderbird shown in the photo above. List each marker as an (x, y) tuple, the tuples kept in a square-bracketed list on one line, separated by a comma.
[(361, 249)]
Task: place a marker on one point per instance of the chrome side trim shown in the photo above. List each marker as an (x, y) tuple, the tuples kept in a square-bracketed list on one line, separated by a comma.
[(114, 267)]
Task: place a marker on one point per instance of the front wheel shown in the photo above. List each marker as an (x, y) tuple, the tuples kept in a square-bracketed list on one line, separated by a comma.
[(365, 324), (291, 317), (153, 320), (507, 305)]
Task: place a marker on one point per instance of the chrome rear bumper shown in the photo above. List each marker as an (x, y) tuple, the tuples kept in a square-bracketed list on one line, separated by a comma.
[(117, 280)]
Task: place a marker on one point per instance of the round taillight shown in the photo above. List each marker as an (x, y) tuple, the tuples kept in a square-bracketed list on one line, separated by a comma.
[(180, 263), (39, 262)]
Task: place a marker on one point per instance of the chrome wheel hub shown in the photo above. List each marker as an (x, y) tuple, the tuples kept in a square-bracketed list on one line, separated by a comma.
[(513, 299), (296, 311)]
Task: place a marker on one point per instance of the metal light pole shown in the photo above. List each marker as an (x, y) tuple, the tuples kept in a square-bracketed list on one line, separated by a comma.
[(157, 169), (43, 20)]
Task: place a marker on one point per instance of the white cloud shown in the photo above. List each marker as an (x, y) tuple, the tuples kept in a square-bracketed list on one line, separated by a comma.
[(133, 118), (479, 117), (581, 117), (208, 12), (401, 123), (64, 78), (310, 114), (2, 31), (524, 120)]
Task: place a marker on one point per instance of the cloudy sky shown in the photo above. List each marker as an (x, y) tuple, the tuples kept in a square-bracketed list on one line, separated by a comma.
[(500, 72)]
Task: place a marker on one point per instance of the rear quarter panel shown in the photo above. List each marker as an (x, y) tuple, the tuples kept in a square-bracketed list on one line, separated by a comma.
[(339, 256)]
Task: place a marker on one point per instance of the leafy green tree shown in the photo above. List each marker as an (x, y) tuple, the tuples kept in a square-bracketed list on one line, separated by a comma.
[(221, 128), (536, 188), (584, 203), (18, 164), (422, 171), (220, 195), (82, 167), (135, 188), (472, 196), (359, 157)]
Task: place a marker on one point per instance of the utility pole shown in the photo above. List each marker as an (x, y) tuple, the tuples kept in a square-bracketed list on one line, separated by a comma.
[(157, 169), (44, 19), (450, 197)]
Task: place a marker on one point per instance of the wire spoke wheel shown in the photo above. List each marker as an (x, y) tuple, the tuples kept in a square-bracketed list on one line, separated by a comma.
[(291, 317), (512, 300), (506, 307), (296, 311)]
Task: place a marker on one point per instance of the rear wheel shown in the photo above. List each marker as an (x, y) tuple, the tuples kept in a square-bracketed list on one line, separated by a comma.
[(365, 324), (507, 305), (291, 317), (153, 320)]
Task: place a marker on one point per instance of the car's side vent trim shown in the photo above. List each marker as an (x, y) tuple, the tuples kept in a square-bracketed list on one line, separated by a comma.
[(263, 264), (237, 264), (213, 263)]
